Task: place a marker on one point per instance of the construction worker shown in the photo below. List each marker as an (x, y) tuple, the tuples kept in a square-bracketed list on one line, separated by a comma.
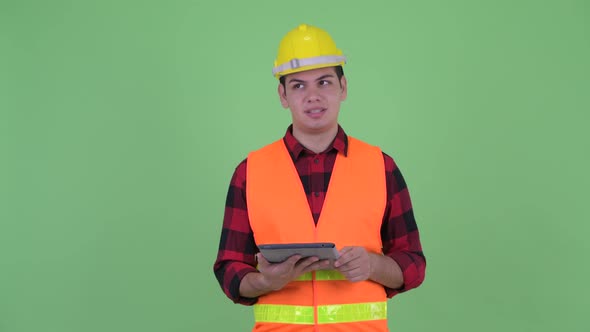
[(317, 184)]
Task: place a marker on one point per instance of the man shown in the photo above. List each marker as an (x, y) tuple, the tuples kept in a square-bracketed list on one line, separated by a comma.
[(317, 184)]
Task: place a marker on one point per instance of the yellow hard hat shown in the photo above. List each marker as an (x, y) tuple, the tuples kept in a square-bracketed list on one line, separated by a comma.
[(306, 47)]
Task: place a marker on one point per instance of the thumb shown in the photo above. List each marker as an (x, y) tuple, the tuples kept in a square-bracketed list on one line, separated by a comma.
[(262, 262)]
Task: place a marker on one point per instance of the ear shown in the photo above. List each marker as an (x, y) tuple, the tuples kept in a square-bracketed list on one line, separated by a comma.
[(283, 96), (344, 85)]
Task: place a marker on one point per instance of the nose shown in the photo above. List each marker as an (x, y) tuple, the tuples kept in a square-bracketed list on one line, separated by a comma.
[(312, 96)]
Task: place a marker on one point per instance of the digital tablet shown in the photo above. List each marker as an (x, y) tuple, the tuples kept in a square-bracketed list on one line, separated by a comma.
[(276, 253)]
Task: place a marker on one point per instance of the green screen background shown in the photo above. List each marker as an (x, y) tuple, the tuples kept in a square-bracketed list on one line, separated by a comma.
[(121, 123)]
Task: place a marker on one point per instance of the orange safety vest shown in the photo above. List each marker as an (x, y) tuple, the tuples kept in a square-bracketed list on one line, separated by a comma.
[(351, 216)]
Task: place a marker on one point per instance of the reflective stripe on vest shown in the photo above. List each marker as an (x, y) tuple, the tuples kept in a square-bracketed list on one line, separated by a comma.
[(322, 275), (334, 313)]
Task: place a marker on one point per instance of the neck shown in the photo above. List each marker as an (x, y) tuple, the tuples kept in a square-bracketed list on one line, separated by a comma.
[(315, 141)]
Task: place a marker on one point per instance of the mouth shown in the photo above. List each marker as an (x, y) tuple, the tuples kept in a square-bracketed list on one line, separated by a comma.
[(315, 111)]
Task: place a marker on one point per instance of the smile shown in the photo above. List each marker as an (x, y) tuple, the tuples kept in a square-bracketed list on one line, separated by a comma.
[(315, 111)]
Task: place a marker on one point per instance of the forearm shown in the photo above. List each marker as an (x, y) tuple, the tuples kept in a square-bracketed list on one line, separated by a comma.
[(399, 234), (385, 271), (253, 285)]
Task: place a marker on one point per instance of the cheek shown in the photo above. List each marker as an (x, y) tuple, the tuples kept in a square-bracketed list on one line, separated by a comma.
[(296, 95), (335, 100)]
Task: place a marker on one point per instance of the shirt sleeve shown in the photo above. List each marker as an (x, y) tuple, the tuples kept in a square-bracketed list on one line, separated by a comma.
[(399, 231), (237, 249)]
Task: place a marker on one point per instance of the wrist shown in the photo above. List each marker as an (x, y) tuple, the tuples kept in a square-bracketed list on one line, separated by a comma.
[(254, 284), (265, 284), (373, 263)]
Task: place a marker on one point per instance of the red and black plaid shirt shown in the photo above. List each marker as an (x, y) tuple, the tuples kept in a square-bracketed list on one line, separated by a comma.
[(399, 233)]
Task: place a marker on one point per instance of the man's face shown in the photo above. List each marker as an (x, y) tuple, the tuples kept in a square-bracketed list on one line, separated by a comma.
[(314, 98)]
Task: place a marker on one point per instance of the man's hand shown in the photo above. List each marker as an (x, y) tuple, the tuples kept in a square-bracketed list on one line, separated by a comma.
[(355, 263), (276, 276)]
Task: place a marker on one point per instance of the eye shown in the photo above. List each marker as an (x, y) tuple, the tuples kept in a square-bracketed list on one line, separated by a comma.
[(324, 82), (297, 86)]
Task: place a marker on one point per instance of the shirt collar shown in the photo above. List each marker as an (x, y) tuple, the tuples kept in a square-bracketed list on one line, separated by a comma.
[(340, 144)]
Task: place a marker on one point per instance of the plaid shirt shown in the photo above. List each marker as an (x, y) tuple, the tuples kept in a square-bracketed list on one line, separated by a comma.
[(399, 233)]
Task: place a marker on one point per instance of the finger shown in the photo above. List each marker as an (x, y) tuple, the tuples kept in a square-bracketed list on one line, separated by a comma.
[(356, 274), (303, 263), (292, 261), (345, 258), (327, 264), (358, 262), (319, 265), (350, 266), (346, 250), (286, 265)]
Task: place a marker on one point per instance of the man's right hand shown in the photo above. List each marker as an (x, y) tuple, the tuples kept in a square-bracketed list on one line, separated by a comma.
[(276, 275)]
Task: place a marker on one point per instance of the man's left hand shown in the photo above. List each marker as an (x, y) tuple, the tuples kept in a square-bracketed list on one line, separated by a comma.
[(354, 263)]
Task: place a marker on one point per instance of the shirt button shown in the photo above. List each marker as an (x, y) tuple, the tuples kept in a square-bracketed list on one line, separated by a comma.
[(316, 160), (316, 194)]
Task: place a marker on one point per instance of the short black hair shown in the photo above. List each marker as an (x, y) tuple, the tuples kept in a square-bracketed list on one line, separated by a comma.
[(339, 73)]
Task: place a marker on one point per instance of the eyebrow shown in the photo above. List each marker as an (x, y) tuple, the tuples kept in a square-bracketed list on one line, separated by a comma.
[(296, 80)]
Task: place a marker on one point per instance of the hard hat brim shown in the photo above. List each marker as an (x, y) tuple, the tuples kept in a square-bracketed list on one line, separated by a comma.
[(299, 65)]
